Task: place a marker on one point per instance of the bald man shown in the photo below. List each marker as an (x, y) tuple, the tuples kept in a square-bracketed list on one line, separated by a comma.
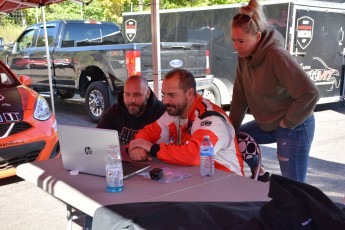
[(137, 106)]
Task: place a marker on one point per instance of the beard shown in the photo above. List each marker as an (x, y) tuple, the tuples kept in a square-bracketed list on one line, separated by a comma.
[(136, 109), (176, 110)]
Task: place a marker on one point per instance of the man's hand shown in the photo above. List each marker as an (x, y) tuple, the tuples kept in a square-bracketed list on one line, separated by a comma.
[(140, 143), (139, 150), (139, 154)]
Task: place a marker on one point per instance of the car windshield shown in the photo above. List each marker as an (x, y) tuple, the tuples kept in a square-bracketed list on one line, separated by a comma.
[(6, 80)]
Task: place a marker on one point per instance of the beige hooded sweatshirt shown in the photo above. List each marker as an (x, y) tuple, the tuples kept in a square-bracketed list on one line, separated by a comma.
[(273, 86)]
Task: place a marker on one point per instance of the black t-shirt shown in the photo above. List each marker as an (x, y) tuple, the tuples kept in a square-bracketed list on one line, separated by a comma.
[(127, 125)]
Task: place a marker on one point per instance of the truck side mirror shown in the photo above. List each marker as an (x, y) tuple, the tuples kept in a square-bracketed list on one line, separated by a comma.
[(25, 80)]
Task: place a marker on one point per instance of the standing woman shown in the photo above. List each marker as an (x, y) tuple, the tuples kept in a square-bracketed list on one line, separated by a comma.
[(278, 92)]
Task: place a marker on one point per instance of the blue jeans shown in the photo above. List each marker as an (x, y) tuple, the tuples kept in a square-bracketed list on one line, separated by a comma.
[(293, 145)]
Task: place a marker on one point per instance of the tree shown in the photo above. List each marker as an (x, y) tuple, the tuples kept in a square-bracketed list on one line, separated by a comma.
[(170, 4), (112, 9), (109, 10)]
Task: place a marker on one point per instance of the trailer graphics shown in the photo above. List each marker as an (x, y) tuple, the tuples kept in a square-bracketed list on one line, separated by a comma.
[(305, 26), (324, 76), (131, 29), (313, 32)]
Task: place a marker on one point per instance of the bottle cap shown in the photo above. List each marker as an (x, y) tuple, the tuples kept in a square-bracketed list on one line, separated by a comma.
[(74, 172)]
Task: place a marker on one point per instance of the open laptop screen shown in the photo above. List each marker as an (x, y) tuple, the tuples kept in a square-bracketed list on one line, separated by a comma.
[(84, 149)]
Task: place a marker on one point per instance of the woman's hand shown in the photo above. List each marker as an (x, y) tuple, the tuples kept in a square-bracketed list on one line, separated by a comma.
[(282, 125)]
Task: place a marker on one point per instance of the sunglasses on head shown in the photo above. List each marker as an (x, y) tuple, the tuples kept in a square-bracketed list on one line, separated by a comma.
[(244, 17)]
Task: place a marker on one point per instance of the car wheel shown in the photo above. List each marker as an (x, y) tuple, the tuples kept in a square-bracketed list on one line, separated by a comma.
[(97, 100), (65, 94), (213, 95)]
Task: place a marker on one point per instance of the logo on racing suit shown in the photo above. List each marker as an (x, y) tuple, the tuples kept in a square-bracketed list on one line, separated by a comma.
[(171, 141), (206, 123), (1, 97)]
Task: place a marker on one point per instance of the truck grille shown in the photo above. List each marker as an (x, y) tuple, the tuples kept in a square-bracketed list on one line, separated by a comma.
[(14, 162), (16, 128)]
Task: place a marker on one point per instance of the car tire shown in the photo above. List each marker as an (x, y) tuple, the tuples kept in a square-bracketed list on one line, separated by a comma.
[(97, 100), (213, 95), (65, 94)]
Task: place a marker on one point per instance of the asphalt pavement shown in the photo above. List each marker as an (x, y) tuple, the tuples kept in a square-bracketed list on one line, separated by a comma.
[(24, 206)]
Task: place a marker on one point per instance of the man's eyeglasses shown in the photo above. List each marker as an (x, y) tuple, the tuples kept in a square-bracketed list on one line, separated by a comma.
[(243, 17)]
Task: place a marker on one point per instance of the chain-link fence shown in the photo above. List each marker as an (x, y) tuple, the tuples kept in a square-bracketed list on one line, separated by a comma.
[(17, 18), (11, 25)]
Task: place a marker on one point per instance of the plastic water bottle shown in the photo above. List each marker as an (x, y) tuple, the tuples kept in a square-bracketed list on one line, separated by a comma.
[(113, 169), (206, 157)]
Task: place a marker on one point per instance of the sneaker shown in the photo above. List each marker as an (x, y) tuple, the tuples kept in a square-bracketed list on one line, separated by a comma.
[(263, 178)]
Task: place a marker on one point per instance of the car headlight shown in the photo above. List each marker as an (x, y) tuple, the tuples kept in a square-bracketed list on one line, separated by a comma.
[(42, 110)]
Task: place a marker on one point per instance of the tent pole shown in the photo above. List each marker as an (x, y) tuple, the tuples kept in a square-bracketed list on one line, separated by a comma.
[(156, 48), (48, 59), (36, 14)]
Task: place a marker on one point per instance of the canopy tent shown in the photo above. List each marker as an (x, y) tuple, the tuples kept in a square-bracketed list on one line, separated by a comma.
[(8, 6), (156, 49)]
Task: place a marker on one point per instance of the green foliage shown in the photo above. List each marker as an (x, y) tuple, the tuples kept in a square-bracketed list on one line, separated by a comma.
[(10, 32), (112, 9), (95, 11), (101, 10), (171, 4), (68, 10)]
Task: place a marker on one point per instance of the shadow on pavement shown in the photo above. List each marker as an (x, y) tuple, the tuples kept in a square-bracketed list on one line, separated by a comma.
[(10, 180), (336, 107)]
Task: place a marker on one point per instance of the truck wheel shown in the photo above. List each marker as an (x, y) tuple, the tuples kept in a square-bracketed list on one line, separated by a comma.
[(97, 100), (65, 95), (213, 95)]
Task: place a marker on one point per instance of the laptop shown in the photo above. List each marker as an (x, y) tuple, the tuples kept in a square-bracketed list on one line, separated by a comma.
[(84, 149)]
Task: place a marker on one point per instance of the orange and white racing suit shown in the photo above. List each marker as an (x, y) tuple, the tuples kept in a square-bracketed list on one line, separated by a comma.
[(178, 141)]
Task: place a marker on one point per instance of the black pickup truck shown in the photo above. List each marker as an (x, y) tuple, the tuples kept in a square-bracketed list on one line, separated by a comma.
[(92, 59)]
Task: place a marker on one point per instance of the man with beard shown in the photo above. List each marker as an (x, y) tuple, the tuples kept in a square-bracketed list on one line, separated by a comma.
[(137, 106), (176, 136)]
